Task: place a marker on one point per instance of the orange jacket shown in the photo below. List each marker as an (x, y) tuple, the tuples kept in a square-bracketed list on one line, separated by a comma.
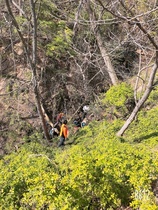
[(64, 131)]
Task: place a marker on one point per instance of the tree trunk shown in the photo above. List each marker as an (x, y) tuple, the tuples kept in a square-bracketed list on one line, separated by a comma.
[(141, 101), (153, 72), (32, 62), (103, 51), (34, 58), (107, 60)]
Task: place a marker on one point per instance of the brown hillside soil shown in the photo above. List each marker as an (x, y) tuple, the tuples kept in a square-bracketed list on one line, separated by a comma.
[(18, 114)]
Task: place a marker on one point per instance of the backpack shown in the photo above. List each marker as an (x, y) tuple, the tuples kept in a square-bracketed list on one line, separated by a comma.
[(77, 122)]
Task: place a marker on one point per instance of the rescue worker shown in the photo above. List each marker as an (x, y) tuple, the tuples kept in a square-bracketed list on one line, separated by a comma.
[(63, 133), (56, 128), (60, 117), (85, 110), (77, 122)]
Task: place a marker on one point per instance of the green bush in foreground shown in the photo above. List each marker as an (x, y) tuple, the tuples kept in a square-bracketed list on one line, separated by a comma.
[(99, 172)]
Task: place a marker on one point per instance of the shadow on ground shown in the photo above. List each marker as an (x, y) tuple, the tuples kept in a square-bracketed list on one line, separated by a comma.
[(138, 140)]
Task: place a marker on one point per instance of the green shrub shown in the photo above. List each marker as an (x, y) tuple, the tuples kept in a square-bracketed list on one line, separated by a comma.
[(152, 100), (97, 171), (108, 172), (145, 127), (119, 99)]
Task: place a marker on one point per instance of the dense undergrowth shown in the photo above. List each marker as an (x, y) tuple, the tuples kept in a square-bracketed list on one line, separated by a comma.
[(95, 170)]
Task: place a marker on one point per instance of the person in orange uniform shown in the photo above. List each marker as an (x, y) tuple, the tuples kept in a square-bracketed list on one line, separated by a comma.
[(63, 133)]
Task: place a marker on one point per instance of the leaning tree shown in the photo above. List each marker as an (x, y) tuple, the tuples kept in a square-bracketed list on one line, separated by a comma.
[(139, 23)]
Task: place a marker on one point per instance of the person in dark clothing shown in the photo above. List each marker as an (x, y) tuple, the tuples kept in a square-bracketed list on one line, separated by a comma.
[(55, 131), (85, 110), (77, 121)]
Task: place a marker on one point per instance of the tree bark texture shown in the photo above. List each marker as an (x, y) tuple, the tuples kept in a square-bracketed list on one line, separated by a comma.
[(103, 51), (32, 62), (153, 72), (141, 101)]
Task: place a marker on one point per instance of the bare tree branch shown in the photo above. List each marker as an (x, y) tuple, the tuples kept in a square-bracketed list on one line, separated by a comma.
[(32, 61)]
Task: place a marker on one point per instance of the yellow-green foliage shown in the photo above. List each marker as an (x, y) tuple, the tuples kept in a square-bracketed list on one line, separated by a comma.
[(61, 41), (153, 98), (60, 37), (118, 95), (57, 33), (47, 8), (116, 98), (96, 171), (145, 128), (26, 184)]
